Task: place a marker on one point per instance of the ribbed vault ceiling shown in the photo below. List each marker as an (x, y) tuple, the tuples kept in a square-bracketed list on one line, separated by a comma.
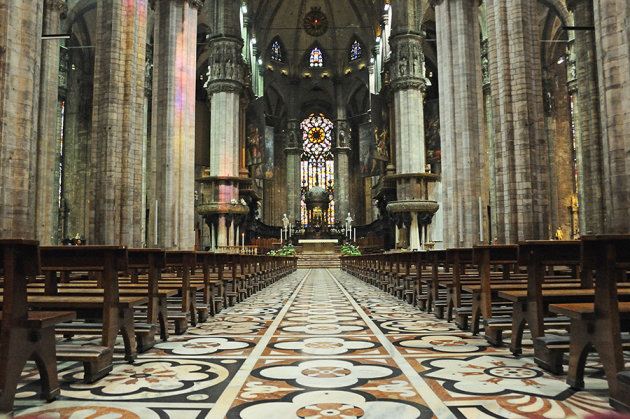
[(347, 20)]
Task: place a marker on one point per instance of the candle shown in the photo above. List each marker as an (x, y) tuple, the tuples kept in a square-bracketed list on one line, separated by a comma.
[(355, 235), (155, 230)]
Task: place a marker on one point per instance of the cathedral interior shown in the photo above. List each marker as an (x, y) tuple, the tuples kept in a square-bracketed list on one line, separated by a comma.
[(398, 126)]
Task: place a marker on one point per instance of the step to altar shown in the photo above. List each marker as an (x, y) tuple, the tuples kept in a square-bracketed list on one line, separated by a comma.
[(307, 260)]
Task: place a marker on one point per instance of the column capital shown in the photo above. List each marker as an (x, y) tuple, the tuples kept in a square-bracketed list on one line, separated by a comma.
[(57, 6), (226, 70), (406, 67)]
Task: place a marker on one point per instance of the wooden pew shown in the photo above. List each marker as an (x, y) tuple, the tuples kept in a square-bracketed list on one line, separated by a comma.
[(528, 306), (213, 283), (25, 334), (184, 262), (485, 257), (458, 258), (598, 325), (115, 312)]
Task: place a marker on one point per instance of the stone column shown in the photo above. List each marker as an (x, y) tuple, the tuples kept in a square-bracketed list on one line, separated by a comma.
[(173, 122), (20, 55), (612, 37), (521, 158), (587, 123), (226, 75), (415, 198), (293, 153), (48, 148), (342, 156), (461, 121), (117, 123), (407, 85)]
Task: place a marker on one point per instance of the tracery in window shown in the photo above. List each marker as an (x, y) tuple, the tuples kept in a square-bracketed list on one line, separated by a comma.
[(276, 51), (317, 162), (355, 51), (317, 58)]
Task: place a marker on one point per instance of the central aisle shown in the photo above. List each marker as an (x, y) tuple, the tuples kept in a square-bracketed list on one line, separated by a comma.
[(322, 356)]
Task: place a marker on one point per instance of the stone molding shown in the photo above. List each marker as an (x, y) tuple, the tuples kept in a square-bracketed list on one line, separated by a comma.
[(226, 86), (434, 3), (195, 4)]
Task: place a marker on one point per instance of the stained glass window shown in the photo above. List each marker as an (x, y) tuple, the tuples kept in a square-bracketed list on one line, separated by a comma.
[(317, 59), (317, 162), (276, 51), (355, 51)]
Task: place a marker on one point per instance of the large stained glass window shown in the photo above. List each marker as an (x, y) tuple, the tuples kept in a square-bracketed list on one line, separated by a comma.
[(318, 164), (317, 59), (355, 51), (276, 51)]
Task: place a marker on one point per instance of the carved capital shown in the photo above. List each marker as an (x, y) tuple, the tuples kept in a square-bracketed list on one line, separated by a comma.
[(226, 66), (226, 86), (196, 4), (407, 59), (409, 84), (59, 6)]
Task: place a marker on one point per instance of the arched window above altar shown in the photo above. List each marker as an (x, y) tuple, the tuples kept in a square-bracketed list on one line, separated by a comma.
[(317, 161)]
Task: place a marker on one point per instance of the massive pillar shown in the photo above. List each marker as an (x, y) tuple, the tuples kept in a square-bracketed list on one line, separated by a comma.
[(48, 147), (293, 151), (117, 123), (612, 37), (521, 158), (20, 55), (173, 124), (342, 156), (415, 189), (226, 75), (461, 121), (587, 122), (407, 86)]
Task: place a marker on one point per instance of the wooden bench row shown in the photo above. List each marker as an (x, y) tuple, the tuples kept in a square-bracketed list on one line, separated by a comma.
[(537, 284), (107, 286)]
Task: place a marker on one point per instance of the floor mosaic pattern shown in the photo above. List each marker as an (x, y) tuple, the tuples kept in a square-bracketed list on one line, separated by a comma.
[(320, 344)]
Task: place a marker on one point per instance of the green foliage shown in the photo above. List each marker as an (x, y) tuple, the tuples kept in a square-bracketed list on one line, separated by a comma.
[(350, 250), (285, 251)]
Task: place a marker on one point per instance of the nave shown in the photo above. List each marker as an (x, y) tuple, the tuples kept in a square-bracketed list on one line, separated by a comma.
[(320, 343)]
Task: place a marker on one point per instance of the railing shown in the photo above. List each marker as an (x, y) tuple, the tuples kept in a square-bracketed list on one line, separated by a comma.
[(243, 250)]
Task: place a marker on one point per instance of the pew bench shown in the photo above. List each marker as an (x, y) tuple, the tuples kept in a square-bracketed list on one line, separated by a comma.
[(25, 335), (104, 263), (583, 335), (522, 314)]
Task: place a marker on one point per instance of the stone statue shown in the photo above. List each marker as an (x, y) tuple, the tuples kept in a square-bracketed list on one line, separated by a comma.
[(285, 222)]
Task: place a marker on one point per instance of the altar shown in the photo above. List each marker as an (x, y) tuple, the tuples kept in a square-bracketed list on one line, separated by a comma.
[(318, 245)]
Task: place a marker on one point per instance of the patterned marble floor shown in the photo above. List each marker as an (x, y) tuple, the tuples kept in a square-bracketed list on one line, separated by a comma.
[(320, 344)]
